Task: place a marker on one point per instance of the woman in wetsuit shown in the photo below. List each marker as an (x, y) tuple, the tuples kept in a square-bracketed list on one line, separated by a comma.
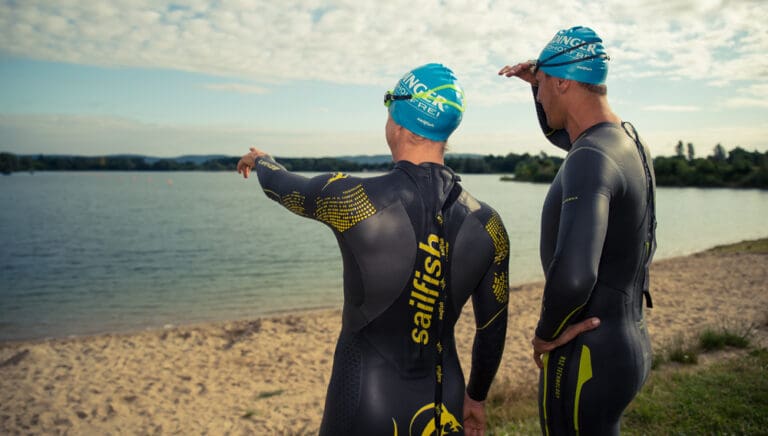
[(415, 247), (597, 241)]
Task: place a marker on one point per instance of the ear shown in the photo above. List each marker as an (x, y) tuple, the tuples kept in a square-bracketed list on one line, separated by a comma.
[(563, 85)]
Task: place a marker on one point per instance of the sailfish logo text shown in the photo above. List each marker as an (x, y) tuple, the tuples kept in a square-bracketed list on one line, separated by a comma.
[(426, 289)]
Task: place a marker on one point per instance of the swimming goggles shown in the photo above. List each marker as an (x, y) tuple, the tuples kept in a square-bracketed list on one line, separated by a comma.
[(543, 62)]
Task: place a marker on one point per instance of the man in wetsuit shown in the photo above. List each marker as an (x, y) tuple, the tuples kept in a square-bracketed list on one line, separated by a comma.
[(597, 240), (415, 247)]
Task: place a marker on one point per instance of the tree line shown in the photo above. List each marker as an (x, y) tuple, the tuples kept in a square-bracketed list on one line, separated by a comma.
[(738, 168), (10, 163)]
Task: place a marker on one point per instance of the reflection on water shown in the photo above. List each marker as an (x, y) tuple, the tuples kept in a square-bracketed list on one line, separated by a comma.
[(91, 252)]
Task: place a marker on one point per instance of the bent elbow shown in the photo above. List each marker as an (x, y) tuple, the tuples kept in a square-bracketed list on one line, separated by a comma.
[(572, 282)]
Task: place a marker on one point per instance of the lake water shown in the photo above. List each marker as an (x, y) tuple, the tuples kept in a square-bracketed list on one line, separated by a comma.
[(87, 252)]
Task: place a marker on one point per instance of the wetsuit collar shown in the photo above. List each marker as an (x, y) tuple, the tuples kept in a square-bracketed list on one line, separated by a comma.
[(430, 177), (595, 127)]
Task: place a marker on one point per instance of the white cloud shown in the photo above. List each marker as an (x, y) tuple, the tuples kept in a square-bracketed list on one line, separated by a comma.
[(92, 135), (671, 108), (746, 102), (237, 87), (373, 43)]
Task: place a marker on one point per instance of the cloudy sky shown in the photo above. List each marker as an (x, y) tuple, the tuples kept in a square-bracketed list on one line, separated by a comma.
[(306, 77)]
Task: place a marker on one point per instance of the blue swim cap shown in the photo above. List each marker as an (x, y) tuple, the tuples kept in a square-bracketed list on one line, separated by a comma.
[(575, 54), (436, 105)]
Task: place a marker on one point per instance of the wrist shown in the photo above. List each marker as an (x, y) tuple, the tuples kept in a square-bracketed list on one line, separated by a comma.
[(473, 401)]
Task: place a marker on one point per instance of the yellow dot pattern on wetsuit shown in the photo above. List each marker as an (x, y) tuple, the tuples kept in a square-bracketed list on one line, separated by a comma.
[(501, 287), (294, 202), (346, 210), (498, 234)]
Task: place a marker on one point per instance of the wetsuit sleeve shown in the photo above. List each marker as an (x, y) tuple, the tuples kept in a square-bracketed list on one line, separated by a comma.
[(490, 301), (296, 193), (589, 180), (557, 137)]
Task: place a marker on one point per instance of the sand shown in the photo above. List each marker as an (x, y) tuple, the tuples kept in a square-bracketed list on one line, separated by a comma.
[(269, 375)]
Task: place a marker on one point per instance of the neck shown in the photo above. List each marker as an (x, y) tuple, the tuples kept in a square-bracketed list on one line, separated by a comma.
[(419, 152), (587, 111)]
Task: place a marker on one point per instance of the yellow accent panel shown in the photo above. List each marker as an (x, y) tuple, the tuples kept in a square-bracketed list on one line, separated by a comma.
[(269, 165), (395, 424), (493, 318), (272, 194), (562, 324), (294, 202), (585, 373), (545, 361), (501, 287), (498, 234), (346, 210)]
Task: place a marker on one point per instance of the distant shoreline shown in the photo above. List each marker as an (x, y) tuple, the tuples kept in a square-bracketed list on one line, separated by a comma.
[(737, 169)]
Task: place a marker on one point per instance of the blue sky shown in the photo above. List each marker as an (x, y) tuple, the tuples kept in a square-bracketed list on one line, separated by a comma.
[(306, 77)]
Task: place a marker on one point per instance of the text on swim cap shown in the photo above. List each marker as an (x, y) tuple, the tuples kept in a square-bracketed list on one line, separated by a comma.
[(429, 105), (572, 41)]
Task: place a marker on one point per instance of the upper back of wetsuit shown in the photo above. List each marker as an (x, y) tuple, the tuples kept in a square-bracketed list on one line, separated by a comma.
[(608, 158), (395, 251), (394, 273)]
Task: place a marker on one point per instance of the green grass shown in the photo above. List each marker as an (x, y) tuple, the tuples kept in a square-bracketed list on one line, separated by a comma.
[(268, 394), (711, 340), (682, 353), (730, 397), (514, 411), (249, 414), (754, 246)]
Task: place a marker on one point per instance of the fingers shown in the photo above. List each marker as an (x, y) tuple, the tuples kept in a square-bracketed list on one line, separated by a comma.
[(243, 168), (537, 359), (516, 70), (508, 70), (576, 329), (473, 426)]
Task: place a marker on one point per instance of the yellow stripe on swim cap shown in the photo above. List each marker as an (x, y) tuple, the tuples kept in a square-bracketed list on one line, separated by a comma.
[(439, 98)]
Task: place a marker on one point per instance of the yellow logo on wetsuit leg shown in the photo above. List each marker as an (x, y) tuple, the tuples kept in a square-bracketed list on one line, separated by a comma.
[(559, 374), (424, 419), (426, 289)]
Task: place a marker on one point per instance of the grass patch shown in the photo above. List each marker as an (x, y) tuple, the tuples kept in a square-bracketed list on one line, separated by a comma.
[(681, 352), (712, 340), (248, 414), (754, 246), (513, 411), (728, 397), (268, 394)]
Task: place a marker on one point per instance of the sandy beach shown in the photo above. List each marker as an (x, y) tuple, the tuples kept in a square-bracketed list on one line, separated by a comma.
[(269, 375)]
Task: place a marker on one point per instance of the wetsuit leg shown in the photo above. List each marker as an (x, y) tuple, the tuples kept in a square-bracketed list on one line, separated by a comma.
[(363, 384), (586, 384)]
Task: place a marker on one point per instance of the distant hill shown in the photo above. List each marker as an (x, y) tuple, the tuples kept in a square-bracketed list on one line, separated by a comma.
[(199, 159)]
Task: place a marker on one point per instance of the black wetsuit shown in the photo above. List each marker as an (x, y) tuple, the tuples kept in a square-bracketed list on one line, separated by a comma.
[(396, 233), (597, 242)]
